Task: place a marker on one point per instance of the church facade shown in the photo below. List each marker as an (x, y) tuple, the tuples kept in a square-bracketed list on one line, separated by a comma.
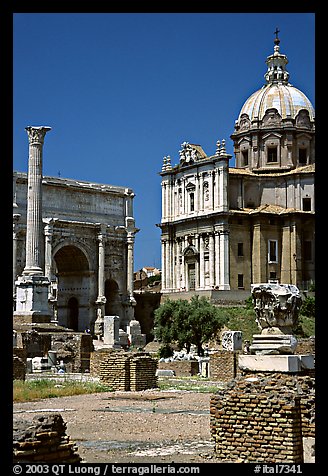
[(223, 228)]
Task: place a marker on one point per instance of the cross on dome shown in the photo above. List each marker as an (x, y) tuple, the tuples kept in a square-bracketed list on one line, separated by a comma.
[(277, 62)]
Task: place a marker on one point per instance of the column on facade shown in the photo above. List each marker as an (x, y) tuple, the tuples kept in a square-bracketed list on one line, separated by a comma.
[(184, 198), (259, 255), (201, 192), (163, 184), (101, 266), (184, 265), (223, 177), (48, 231), (101, 299), (16, 218), (296, 255), (210, 188), (286, 255), (128, 203), (168, 264), (197, 194), (216, 188), (217, 258), (201, 262), (130, 263), (197, 264), (34, 201), (224, 260), (163, 253), (211, 259)]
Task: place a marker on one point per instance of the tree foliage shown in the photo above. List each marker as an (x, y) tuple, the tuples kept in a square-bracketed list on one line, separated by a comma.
[(188, 322)]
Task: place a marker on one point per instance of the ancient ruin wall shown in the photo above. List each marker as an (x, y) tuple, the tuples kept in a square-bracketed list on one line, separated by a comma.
[(224, 365), (43, 440), (260, 420), (126, 370)]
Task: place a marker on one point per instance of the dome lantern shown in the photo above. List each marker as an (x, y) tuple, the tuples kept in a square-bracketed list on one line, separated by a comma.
[(277, 65)]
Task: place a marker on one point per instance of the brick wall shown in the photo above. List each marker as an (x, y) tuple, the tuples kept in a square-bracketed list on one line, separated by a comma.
[(263, 418), (125, 371), (224, 365)]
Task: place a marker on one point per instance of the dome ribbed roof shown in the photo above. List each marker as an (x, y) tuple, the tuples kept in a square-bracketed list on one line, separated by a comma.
[(287, 99), (278, 93)]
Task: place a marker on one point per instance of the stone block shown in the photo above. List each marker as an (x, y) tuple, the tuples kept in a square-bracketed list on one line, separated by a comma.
[(232, 340), (275, 363), (165, 373)]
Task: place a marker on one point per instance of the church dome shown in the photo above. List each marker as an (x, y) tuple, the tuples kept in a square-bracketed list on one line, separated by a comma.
[(287, 99), (277, 93)]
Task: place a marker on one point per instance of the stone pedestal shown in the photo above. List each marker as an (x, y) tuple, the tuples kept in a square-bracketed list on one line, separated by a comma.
[(32, 299), (111, 331), (273, 344), (134, 332)]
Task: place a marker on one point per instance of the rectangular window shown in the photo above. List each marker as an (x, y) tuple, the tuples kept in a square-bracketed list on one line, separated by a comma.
[(240, 249), (306, 204), (244, 154), (302, 156), (272, 154), (240, 280), (192, 202), (273, 251)]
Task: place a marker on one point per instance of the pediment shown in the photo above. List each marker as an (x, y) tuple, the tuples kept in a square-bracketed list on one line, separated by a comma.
[(271, 118), (190, 251)]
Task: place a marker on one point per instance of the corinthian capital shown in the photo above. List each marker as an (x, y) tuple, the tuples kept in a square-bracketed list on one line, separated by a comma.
[(36, 134)]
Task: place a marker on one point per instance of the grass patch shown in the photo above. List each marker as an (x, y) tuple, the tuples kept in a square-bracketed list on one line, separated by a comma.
[(29, 390), (190, 384)]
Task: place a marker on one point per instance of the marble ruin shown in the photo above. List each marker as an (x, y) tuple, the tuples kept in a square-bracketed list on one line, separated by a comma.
[(277, 308), (232, 340), (73, 247)]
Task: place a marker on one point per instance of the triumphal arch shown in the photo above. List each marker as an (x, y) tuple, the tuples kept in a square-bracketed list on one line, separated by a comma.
[(86, 248)]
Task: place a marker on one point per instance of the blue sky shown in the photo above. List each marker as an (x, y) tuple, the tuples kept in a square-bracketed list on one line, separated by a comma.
[(122, 90)]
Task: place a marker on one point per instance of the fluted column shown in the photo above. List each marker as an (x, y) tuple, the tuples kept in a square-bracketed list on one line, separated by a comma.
[(163, 264), (201, 262), (211, 259), (34, 201), (217, 259), (48, 231), (32, 287), (224, 260), (130, 266), (101, 299)]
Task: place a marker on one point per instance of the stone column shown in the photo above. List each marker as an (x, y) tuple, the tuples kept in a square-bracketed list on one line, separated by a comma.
[(130, 259), (211, 259), (34, 201), (169, 259), (48, 230), (201, 263), (101, 299), (286, 255), (33, 287), (163, 264), (217, 258), (224, 260), (16, 218), (201, 192)]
